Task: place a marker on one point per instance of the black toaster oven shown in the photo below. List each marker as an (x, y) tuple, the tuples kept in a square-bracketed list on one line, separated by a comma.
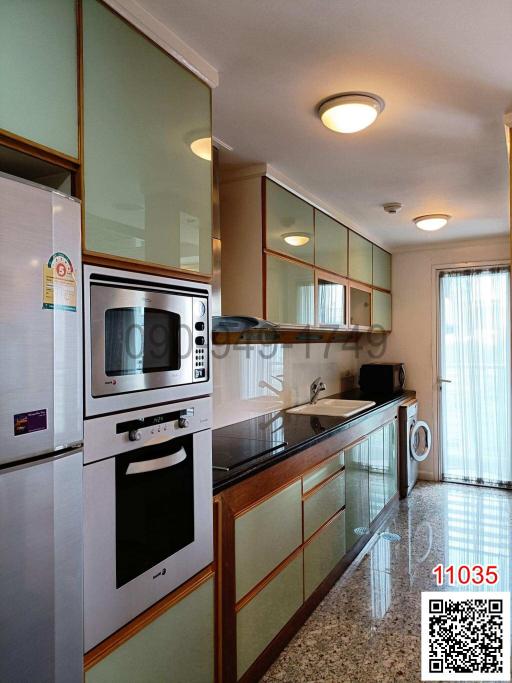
[(382, 377)]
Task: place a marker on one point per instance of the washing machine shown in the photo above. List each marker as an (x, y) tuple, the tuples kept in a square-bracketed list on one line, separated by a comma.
[(415, 439)]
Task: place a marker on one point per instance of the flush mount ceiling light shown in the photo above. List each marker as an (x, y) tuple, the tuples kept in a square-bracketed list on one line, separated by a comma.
[(296, 239), (433, 221), (350, 112), (202, 147)]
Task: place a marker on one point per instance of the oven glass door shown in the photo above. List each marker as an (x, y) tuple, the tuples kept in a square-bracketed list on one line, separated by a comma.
[(140, 339), (154, 505)]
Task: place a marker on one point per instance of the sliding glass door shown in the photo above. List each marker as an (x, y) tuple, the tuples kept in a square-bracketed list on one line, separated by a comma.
[(475, 376)]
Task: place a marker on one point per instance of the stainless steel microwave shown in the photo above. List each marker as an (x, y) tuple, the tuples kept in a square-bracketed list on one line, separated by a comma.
[(147, 340)]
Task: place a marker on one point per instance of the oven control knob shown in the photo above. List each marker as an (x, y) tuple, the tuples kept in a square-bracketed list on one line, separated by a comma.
[(135, 435), (183, 422)]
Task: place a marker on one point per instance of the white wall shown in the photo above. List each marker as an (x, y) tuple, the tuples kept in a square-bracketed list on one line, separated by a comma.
[(412, 340), (251, 380)]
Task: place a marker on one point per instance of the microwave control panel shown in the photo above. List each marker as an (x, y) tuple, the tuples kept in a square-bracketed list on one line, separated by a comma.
[(200, 337)]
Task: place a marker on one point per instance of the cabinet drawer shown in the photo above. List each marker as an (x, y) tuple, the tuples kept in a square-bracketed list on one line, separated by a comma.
[(261, 619), (323, 472), (266, 535), (177, 646), (323, 552), (323, 504)]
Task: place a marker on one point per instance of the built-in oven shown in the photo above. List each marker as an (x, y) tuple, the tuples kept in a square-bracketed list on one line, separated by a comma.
[(147, 340), (148, 509)]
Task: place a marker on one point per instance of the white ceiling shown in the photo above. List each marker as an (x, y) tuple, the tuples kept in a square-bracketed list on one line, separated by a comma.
[(443, 67)]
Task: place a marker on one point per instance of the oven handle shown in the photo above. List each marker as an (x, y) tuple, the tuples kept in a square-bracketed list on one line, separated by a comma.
[(145, 466)]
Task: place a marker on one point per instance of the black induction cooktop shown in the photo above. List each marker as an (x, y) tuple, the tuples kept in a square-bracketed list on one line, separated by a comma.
[(231, 452)]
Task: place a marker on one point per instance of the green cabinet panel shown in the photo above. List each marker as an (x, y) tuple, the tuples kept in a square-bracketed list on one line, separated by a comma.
[(177, 647), (331, 302), (322, 472), (288, 215), (261, 619), (390, 460), (331, 244), (360, 307), (381, 268), (381, 310), (266, 535), (376, 473), (147, 195), (38, 72), (323, 553), (360, 258), (290, 292), (323, 504), (357, 507)]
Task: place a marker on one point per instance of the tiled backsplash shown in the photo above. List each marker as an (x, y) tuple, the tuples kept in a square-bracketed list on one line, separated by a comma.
[(251, 380)]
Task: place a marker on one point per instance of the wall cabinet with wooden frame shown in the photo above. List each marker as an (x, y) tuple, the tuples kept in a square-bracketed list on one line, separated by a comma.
[(103, 101), (39, 76), (286, 261), (147, 195), (288, 533)]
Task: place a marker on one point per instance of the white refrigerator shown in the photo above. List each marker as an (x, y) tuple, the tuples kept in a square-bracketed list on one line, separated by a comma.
[(41, 427)]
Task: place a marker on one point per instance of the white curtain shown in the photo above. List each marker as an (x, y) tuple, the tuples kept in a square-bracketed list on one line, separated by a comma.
[(475, 357)]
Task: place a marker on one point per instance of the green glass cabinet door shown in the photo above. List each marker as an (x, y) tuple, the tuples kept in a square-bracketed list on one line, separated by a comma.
[(177, 647), (331, 244), (390, 460), (331, 302), (147, 194), (381, 268), (38, 72), (376, 473), (289, 223), (360, 258), (381, 310), (357, 505), (360, 307), (290, 292)]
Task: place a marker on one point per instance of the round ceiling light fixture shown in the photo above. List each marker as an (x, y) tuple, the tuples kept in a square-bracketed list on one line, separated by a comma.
[(350, 112), (296, 239), (432, 221), (202, 147)]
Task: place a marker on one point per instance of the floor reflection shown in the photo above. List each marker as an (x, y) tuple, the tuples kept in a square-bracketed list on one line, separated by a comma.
[(368, 627)]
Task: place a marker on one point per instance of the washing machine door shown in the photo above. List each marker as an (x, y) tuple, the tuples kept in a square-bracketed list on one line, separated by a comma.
[(420, 440)]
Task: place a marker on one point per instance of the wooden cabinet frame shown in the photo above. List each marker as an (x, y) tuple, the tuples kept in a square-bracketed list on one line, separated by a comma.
[(240, 498)]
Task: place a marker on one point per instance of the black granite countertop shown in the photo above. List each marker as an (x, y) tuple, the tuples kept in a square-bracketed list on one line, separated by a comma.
[(245, 448)]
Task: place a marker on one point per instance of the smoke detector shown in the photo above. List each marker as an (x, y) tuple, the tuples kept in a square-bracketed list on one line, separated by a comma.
[(392, 207)]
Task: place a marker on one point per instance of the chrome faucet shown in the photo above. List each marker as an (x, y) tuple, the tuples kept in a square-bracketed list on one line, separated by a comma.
[(316, 387)]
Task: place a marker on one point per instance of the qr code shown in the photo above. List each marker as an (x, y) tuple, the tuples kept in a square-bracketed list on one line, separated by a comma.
[(465, 636)]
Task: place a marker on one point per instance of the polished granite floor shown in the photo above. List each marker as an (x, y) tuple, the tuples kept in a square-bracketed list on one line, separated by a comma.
[(368, 627)]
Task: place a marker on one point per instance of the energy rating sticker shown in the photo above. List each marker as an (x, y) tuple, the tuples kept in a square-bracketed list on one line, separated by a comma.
[(59, 283)]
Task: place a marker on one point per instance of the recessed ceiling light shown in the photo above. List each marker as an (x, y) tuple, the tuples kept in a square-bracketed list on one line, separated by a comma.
[(296, 239), (350, 112), (433, 221), (202, 147)]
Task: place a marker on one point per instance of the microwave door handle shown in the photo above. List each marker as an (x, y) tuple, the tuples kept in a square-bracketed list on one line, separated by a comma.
[(166, 461)]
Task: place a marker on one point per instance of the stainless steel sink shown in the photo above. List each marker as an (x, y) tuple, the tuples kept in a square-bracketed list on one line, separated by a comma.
[(336, 407)]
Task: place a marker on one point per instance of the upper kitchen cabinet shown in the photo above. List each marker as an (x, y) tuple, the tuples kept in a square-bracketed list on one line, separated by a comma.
[(331, 244), (360, 258), (148, 196), (38, 73), (381, 268), (381, 310), (288, 223), (290, 292)]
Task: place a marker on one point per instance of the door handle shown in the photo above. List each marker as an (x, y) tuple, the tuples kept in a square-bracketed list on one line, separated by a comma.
[(444, 381), (166, 461)]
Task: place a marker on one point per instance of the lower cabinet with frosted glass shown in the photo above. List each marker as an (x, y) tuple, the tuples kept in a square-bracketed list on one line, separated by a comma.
[(174, 643), (289, 531)]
